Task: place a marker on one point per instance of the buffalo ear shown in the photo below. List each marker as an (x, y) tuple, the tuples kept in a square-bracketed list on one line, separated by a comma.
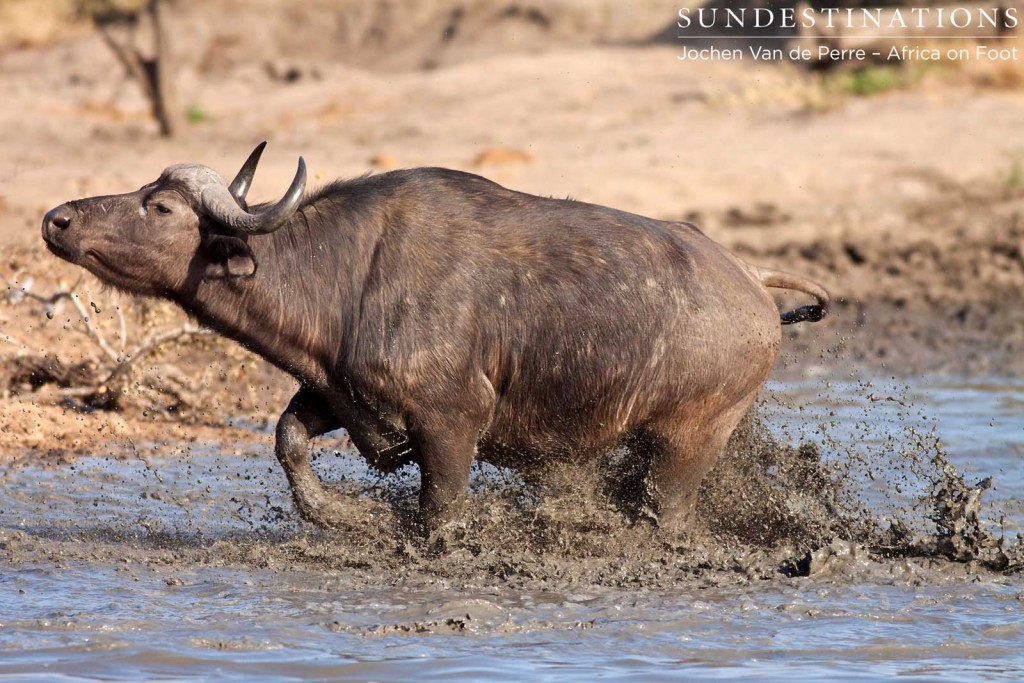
[(228, 257)]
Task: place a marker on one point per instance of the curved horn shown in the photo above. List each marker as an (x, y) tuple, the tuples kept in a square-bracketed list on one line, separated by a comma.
[(243, 181), (219, 204)]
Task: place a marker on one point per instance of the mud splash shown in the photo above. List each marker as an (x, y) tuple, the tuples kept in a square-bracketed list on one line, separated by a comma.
[(876, 492), (768, 508)]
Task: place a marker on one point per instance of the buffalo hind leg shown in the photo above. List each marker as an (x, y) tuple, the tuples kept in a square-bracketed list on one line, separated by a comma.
[(306, 418), (683, 450)]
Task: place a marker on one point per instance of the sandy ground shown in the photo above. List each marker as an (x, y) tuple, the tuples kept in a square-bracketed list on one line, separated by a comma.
[(907, 205)]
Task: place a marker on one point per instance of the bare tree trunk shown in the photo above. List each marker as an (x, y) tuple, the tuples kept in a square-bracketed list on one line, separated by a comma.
[(165, 97), (154, 74)]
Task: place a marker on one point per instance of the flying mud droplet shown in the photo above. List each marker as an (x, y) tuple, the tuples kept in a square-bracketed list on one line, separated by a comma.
[(772, 506)]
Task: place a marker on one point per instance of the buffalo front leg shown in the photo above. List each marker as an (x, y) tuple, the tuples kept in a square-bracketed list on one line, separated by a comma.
[(444, 431), (446, 446), (305, 418)]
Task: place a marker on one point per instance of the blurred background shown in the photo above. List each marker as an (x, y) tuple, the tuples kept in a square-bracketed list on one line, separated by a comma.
[(899, 185)]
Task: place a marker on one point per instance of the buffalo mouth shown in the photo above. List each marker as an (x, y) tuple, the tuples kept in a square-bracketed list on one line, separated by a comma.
[(61, 250), (99, 266)]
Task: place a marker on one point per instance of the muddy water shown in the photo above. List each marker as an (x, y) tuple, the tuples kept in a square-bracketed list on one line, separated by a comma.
[(123, 569)]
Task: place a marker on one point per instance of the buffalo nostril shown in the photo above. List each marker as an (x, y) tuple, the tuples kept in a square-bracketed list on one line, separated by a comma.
[(59, 217)]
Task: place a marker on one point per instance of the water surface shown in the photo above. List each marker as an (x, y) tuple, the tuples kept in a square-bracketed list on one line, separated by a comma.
[(109, 570)]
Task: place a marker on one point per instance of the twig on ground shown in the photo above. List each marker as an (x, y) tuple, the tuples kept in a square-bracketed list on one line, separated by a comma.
[(16, 342)]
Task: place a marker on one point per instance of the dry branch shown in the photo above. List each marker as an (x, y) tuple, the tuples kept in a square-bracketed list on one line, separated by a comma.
[(4, 337), (92, 330), (117, 380), (102, 382)]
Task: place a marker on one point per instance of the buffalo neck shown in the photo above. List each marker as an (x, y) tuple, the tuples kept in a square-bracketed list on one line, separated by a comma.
[(298, 308)]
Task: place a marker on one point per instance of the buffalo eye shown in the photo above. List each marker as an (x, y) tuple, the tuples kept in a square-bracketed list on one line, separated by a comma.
[(162, 209)]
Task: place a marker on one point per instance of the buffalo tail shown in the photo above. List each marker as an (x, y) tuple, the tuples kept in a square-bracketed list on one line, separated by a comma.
[(780, 280)]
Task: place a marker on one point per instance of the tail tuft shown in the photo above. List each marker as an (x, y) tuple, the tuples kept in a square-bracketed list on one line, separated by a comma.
[(810, 314)]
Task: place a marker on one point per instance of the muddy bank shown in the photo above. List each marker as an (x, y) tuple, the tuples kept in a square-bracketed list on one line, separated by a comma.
[(981, 339), (903, 204), (944, 294)]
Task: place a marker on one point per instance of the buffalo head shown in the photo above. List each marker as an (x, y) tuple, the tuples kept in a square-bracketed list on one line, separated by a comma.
[(187, 223)]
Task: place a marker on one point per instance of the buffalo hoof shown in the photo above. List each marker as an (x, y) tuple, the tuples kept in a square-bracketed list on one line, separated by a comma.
[(444, 539), (443, 532), (677, 523)]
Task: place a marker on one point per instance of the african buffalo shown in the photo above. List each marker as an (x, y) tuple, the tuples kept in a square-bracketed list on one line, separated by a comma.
[(438, 317)]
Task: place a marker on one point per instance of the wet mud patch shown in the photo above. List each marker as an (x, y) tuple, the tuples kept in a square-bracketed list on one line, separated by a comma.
[(836, 496), (843, 498)]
